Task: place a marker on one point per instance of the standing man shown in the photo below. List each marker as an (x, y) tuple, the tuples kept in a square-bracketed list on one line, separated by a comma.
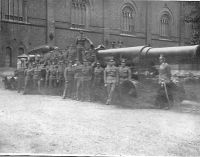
[(20, 76), (124, 75), (60, 77), (52, 77), (43, 74), (77, 79), (28, 79), (86, 81), (97, 81), (110, 79), (36, 77), (69, 81), (47, 74), (164, 98)]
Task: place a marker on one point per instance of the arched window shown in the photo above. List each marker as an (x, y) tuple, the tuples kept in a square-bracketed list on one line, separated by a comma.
[(79, 13), (165, 24), (8, 57), (20, 51), (13, 10), (128, 15)]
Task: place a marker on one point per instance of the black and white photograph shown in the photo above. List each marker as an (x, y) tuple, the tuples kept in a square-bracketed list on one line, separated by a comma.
[(99, 78)]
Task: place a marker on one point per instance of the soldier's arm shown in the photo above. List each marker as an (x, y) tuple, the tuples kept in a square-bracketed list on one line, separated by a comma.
[(65, 74), (117, 75), (129, 74), (105, 76), (169, 71), (25, 72)]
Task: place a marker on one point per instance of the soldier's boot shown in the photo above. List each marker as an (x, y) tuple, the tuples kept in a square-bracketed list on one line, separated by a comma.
[(64, 92), (108, 101)]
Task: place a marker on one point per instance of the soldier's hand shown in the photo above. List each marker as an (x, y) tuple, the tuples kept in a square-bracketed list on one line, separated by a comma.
[(105, 84)]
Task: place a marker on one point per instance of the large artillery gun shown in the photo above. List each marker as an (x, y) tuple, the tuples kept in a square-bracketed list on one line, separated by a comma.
[(144, 61), (146, 57)]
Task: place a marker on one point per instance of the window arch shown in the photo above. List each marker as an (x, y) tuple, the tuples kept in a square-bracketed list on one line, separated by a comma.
[(128, 15), (20, 51), (79, 13), (165, 25)]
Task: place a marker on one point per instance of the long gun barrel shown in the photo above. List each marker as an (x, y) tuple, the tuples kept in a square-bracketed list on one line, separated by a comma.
[(192, 51)]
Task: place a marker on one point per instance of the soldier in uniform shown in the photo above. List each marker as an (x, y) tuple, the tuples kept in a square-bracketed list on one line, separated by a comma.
[(28, 78), (110, 79), (77, 79), (69, 81), (52, 77), (124, 75), (164, 98), (86, 81), (43, 75), (36, 77), (60, 77), (97, 81), (20, 77), (47, 74)]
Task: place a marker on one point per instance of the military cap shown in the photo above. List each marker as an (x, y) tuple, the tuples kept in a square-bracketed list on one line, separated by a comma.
[(161, 56)]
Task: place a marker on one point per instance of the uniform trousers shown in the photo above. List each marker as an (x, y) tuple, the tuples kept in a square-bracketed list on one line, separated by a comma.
[(161, 98), (68, 90), (110, 91), (20, 83)]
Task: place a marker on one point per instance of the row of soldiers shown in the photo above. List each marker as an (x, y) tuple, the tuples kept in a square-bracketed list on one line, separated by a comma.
[(80, 81)]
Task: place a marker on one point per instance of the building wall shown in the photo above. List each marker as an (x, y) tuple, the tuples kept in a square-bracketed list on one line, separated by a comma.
[(104, 25)]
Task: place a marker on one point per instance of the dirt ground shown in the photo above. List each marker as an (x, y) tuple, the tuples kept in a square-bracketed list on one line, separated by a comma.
[(48, 124)]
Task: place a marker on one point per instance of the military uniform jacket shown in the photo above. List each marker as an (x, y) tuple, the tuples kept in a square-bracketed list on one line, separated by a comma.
[(111, 74), (28, 74), (43, 73), (60, 73), (124, 73), (78, 71), (69, 74), (98, 74), (37, 74), (164, 73), (87, 73), (52, 74)]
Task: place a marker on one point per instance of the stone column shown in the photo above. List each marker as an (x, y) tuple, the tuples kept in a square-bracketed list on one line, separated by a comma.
[(25, 11), (181, 24), (106, 22), (148, 22), (51, 22)]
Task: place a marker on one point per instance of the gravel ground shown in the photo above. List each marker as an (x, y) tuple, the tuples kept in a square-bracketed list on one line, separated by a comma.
[(48, 124)]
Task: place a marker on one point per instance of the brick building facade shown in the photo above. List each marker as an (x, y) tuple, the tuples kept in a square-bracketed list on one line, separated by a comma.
[(29, 23)]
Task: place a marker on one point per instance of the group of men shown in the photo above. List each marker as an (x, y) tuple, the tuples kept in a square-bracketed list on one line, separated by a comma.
[(86, 81), (79, 81)]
